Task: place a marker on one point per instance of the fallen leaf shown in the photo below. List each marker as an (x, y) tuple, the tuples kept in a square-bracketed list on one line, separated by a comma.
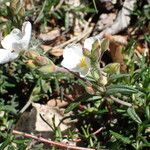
[(53, 51), (140, 48), (57, 103), (122, 21), (105, 20), (117, 39), (56, 52), (50, 36), (117, 56), (46, 48)]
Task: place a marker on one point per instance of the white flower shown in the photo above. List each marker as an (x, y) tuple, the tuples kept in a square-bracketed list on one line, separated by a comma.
[(74, 60), (7, 55), (89, 42), (15, 42)]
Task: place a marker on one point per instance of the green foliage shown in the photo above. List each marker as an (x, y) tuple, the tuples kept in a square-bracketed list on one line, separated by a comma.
[(102, 122), (142, 13)]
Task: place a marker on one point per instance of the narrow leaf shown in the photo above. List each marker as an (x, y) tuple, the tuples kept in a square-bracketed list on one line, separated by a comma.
[(131, 112), (71, 107), (120, 137), (104, 45), (123, 89)]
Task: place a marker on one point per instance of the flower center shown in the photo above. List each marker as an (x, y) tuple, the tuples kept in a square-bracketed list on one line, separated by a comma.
[(83, 63)]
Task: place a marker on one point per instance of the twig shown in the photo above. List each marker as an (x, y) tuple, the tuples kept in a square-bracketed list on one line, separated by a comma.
[(26, 106), (52, 143), (76, 38), (87, 30), (98, 131), (120, 101)]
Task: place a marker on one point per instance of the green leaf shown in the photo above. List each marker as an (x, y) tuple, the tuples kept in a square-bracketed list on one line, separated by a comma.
[(120, 137), (123, 89), (5, 144), (47, 69), (112, 68), (8, 108), (131, 112), (104, 45), (67, 21), (118, 76), (96, 51), (147, 112), (9, 85), (71, 107)]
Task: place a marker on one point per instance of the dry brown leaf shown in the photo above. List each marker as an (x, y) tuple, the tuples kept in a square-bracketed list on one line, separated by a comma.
[(27, 4), (90, 90), (107, 19), (122, 21), (53, 51), (104, 21), (50, 36), (57, 103), (116, 54), (2, 19), (140, 48), (56, 52), (46, 48), (117, 42), (117, 39)]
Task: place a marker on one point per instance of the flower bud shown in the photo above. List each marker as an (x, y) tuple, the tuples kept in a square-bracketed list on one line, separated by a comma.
[(47, 69), (86, 52), (103, 80), (90, 90), (30, 64), (41, 60), (31, 54)]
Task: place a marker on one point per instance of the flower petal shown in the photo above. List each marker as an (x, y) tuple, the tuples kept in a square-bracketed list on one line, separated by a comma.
[(9, 41), (72, 54), (73, 49), (26, 30), (17, 40), (7, 55), (83, 71), (88, 43)]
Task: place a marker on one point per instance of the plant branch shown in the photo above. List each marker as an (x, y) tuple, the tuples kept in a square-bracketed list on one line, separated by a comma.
[(52, 143), (98, 131), (120, 101)]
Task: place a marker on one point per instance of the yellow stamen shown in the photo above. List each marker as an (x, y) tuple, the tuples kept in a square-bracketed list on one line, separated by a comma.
[(83, 63)]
